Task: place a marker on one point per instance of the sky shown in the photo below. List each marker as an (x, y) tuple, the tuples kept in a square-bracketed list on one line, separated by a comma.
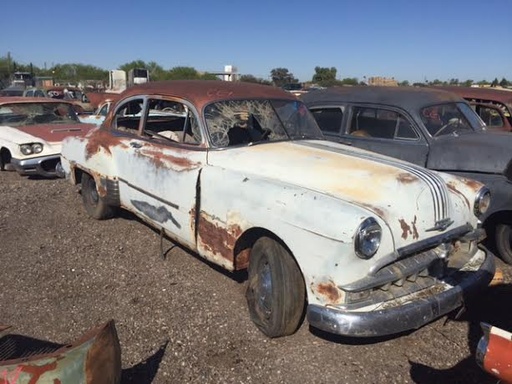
[(414, 40)]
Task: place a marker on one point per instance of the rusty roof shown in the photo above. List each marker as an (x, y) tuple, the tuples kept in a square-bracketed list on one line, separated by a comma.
[(202, 92), (493, 94), (405, 97)]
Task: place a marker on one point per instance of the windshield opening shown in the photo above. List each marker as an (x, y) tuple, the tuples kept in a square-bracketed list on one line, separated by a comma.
[(239, 122), (450, 119), (23, 114)]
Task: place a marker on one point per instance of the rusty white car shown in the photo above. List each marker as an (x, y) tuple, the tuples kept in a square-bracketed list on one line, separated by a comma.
[(31, 134), (363, 244)]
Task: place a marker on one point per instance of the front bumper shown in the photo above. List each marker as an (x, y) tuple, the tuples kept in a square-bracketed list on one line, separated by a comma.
[(413, 314), (47, 166)]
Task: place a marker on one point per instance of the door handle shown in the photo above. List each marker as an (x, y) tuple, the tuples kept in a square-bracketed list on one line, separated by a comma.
[(135, 144)]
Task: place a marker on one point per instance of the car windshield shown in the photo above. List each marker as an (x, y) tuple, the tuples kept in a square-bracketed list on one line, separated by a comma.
[(450, 118), (238, 122), (18, 114)]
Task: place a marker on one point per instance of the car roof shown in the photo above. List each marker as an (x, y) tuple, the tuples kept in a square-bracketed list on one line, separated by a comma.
[(405, 97), (27, 100), (202, 92), (495, 94)]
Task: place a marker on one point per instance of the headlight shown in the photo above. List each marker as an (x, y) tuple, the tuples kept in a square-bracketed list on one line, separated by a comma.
[(37, 148), (367, 239), (28, 149), (482, 201)]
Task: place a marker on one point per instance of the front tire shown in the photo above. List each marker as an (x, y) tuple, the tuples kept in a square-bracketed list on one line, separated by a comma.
[(94, 204), (276, 293), (504, 242)]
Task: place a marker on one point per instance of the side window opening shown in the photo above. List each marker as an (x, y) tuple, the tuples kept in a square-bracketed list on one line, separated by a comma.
[(128, 116), (329, 119), (381, 123)]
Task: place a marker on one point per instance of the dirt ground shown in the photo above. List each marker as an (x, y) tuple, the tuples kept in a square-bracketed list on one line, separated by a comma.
[(181, 320)]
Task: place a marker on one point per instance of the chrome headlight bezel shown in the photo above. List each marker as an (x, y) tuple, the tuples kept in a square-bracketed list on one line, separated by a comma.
[(367, 238), (31, 148), (482, 202)]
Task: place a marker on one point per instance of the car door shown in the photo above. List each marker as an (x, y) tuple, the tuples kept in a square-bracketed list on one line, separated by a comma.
[(159, 164), (384, 130)]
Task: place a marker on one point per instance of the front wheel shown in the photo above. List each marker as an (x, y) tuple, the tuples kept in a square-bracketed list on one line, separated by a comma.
[(275, 293), (504, 242), (94, 204)]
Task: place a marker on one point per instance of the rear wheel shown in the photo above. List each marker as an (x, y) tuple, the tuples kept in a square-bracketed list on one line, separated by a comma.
[(504, 242), (94, 204), (275, 293)]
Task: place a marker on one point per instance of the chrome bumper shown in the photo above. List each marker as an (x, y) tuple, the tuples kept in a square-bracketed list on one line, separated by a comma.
[(38, 166), (404, 317)]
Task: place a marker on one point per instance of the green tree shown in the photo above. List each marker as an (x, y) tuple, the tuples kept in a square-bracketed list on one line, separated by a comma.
[(468, 83), (281, 76), (495, 82), (325, 77), (504, 82), (347, 81), (253, 79), (404, 83), (453, 82)]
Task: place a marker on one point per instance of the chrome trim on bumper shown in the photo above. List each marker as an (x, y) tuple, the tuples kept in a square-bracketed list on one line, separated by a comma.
[(405, 317), (33, 166)]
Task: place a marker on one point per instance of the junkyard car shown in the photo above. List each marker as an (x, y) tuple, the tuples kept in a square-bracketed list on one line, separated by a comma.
[(31, 133), (98, 116), (494, 352), (240, 173), (493, 105), (94, 358), (429, 127), (72, 94)]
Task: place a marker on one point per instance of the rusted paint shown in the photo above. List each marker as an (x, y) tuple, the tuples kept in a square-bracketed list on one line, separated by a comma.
[(473, 184), (161, 160), (452, 187), (329, 291), (216, 239), (54, 133), (498, 357), (406, 229), (102, 139), (94, 358), (377, 210), (406, 178), (415, 234)]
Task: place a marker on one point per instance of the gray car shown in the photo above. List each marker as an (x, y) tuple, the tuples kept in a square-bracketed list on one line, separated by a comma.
[(433, 128)]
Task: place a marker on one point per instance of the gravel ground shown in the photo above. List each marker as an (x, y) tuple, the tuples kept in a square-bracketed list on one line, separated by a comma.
[(183, 320)]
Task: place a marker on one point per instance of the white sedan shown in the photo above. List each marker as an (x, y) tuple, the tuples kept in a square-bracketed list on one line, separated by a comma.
[(31, 134)]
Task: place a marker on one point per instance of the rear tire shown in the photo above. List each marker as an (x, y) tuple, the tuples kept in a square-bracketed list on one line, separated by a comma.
[(276, 293), (503, 239), (94, 204)]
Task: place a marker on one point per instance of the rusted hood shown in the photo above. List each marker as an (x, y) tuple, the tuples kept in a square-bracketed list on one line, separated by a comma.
[(410, 199), (487, 152), (52, 133)]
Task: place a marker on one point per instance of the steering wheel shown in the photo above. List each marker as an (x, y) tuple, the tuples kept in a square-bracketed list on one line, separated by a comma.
[(444, 127)]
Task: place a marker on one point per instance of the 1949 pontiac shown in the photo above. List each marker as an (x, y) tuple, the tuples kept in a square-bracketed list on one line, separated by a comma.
[(365, 245)]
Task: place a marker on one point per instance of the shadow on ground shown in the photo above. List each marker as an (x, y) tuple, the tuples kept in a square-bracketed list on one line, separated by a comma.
[(145, 371), (490, 307)]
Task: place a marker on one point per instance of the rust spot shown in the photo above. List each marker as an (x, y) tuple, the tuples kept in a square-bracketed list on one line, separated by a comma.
[(160, 160), (36, 371), (216, 239), (102, 139), (406, 230), (372, 208), (242, 259), (473, 184), (415, 234), (406, 178), (329, 291), (452, 188)]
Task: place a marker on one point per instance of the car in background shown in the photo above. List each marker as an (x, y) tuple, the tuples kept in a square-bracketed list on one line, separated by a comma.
[(31, 134), (494, 352), (72, 94), (433, 128), (98, 116), (363, 244), (23, 92), (494, 106)]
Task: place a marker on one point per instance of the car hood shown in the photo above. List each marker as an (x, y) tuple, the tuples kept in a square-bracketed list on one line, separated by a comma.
[(50, 133), (487, 152), (410, 199)]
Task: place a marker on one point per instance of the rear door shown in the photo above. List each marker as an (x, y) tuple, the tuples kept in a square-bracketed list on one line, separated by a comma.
[(378, 129)]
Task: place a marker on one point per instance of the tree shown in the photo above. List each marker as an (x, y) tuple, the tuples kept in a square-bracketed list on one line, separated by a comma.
[(404, 83), (504, 82), (325, 77), (454, 82), (467, 83), (253, 79), (347, 81), (281, 76), (495, 82)]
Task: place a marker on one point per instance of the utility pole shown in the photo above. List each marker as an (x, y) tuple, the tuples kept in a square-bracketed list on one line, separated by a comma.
[(9, 64)]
